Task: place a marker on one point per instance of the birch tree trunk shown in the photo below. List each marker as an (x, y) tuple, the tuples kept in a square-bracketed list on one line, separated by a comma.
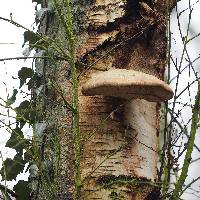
[(119, 138)]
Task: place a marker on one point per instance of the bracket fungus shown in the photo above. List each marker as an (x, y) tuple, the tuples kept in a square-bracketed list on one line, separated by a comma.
[(136, 127), (127, 84)]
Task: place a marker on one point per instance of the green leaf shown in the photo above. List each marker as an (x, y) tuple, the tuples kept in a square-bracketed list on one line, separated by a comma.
[(12, 167), (22, 190), (23, 74), (16, 140), (26, 113), (22, 113), (35, 41), (30, 37), (35, 82), (12, 99)]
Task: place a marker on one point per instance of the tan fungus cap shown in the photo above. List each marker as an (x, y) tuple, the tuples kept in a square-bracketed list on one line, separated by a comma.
[(127, 84)]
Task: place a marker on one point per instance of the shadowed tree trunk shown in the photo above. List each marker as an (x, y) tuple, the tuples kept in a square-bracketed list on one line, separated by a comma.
[(119, 138)]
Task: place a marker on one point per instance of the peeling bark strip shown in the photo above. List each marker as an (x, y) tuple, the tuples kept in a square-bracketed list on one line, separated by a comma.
[(123, 135)]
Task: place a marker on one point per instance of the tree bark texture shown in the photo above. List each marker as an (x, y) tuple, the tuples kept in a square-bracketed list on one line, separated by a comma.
[(119, 138)]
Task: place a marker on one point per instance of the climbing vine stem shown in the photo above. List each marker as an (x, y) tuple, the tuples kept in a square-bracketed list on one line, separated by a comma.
[(66, 19), (190, 145)]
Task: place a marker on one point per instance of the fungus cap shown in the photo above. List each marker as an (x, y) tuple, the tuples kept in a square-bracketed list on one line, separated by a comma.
[(127, 84)]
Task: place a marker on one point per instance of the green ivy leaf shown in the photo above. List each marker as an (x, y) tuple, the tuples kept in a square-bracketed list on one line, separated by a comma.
[(23, 74), (34, 38), (30, 37), (22, 113), (12, 167), (12, 99), (35, 82), (25, 113), (22, 190), (16, 140)]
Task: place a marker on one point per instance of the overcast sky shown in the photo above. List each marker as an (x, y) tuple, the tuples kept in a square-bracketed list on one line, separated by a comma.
[(22, 11)]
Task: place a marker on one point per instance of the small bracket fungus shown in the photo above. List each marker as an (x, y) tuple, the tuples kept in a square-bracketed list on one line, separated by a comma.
[(127, 84), (135, 127)]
